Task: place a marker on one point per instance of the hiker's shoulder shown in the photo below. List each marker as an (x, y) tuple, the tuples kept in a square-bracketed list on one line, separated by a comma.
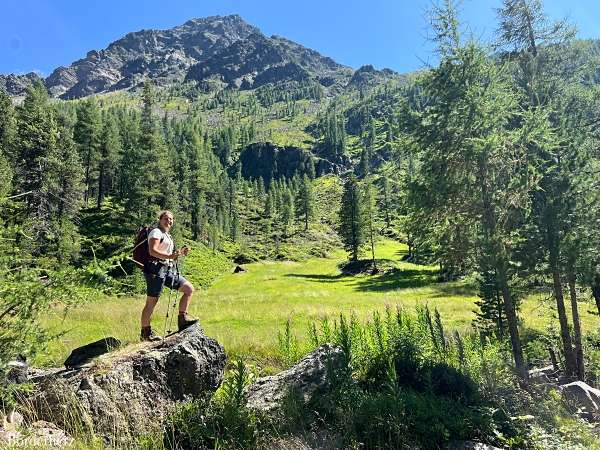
[(155, 233)]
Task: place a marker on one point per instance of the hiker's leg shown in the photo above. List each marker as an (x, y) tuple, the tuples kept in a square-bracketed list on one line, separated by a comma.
[(188, 290), (148, 310)]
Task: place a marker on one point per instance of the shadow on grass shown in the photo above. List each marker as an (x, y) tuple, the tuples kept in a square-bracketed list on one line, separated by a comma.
[(453, 289), (397, 279), (320, 277)]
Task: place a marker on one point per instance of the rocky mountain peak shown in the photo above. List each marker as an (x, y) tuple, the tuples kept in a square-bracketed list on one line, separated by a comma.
[(221, 49)]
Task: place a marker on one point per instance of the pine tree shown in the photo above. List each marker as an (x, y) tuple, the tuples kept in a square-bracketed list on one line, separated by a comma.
[(469, 160), (287, 210), (158, 183), (87, 135), (7, 128), (110, 152), (547, 75), (351, 228), (50, 175), (305, 202), (386, 201), (370, 216), (232, 208)]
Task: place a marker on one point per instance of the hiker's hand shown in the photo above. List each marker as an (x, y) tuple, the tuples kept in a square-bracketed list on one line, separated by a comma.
[(185, 250), (174, 255)]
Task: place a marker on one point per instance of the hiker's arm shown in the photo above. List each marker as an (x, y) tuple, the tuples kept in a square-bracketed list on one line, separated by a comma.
[(153, 250)]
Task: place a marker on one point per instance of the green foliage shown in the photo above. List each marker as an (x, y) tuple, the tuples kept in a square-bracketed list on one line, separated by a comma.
[(351, 228), (220, 422), (411, 386)]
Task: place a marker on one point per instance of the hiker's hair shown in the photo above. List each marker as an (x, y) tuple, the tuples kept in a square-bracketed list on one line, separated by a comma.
[(163, 212)]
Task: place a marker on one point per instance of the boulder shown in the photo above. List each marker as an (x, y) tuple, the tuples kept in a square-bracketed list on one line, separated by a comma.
[(584, 397), (307, 379), (130, 392)]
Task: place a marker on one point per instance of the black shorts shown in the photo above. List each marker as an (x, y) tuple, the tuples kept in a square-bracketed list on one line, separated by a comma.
[(155, 283)]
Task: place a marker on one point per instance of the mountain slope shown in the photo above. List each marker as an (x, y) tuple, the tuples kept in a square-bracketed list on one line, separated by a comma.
[(161, 55)]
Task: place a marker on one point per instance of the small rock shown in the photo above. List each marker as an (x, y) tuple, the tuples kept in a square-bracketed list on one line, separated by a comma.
[(12, 420), (470, 445), (85, 353), (17, 371), (239, 269)]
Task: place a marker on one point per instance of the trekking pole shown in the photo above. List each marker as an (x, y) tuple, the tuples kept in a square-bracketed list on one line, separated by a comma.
[(168, 309), (175, 299)]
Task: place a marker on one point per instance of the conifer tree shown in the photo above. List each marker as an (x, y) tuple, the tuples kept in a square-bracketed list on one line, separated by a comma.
[(370, 216), (466, 182), (7, 127), (110, 153), (547, 76), (305, 202), (351, 228), (287, 210), (87, 135)]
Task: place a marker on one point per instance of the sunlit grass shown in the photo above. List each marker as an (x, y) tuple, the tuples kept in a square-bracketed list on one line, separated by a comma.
[(246, 311)]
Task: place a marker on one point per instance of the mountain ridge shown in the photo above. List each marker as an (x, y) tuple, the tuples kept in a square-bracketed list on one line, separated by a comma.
[(225, 50)]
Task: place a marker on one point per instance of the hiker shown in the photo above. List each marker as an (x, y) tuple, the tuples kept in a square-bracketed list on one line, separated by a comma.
[(159, 272)]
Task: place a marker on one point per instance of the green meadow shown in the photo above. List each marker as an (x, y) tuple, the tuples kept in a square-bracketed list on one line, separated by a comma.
[(246, 311)]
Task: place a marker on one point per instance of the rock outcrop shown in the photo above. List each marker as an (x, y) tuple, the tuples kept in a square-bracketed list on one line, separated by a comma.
[(258, 60), (306, 379), (16, 85), (128, 393), (583, 397), (266, 160)]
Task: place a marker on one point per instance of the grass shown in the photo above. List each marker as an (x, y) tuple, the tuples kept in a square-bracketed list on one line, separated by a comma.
[(246, 311)]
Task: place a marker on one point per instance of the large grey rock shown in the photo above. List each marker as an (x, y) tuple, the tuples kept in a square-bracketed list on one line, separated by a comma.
[(583, 396), (307, 379), (129, 392)]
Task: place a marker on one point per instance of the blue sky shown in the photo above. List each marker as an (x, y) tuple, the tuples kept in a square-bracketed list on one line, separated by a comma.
[(40, 35)]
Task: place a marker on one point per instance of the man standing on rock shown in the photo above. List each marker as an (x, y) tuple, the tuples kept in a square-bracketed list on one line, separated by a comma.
[(159, 272)]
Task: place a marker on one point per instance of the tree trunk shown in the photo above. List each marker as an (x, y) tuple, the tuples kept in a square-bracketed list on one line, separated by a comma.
[(570, 362), (576, 326), (511, 319), (596, 291), (101, 186)]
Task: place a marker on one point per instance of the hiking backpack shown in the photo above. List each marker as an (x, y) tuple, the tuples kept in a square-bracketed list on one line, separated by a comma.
[(141, 254)]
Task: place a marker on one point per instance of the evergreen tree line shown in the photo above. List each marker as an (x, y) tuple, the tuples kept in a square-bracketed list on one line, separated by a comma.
[(500, 168)]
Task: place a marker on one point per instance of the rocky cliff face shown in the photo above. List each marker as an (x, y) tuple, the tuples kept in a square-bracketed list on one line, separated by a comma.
[(16, 85), (163, 56), (258, 60)]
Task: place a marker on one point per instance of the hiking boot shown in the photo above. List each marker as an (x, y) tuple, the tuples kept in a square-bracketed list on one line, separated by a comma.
[(184, 321), (148, 335)]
